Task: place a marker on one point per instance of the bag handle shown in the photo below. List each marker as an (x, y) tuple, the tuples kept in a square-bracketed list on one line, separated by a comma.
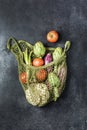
[(12, 45), (67, 46)]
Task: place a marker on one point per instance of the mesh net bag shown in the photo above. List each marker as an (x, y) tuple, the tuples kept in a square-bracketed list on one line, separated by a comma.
[(41, 84)]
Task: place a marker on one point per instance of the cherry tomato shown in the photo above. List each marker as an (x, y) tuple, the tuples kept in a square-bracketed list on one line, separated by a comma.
[(38, 62), (52, 36), (23, 77)]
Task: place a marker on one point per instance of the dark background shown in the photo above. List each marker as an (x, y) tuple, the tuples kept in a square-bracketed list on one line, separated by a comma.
[(30, 20)]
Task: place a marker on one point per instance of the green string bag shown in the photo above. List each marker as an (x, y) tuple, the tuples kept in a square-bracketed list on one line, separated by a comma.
[(40, 92)]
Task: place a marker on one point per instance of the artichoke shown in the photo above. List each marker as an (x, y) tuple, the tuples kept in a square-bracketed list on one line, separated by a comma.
[(57, 53), (53, 79), (39, 49)]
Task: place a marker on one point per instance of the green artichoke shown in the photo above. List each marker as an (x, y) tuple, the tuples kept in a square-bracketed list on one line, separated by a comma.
[(57, 53), (53, 79), (39, 49)]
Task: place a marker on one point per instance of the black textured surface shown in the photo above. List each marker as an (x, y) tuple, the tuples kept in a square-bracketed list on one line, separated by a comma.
[(31, 20)]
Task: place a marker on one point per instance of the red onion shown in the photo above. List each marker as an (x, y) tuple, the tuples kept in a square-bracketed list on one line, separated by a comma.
[(48, 58)]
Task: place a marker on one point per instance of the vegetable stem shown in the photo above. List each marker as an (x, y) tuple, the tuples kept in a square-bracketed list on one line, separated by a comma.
[(26, 56), (29, 61)]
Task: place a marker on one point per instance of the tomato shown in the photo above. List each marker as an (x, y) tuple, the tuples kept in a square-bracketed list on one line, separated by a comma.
[(41, 75), (38, 62), (52, 36), (23, 77)]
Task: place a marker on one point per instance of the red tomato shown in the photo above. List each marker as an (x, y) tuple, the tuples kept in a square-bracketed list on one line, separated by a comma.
[(52, 36), (38, 62), (23, 77), (41, 75)]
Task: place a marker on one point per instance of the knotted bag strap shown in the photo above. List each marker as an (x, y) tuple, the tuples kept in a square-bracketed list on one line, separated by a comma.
[(15, 47)]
